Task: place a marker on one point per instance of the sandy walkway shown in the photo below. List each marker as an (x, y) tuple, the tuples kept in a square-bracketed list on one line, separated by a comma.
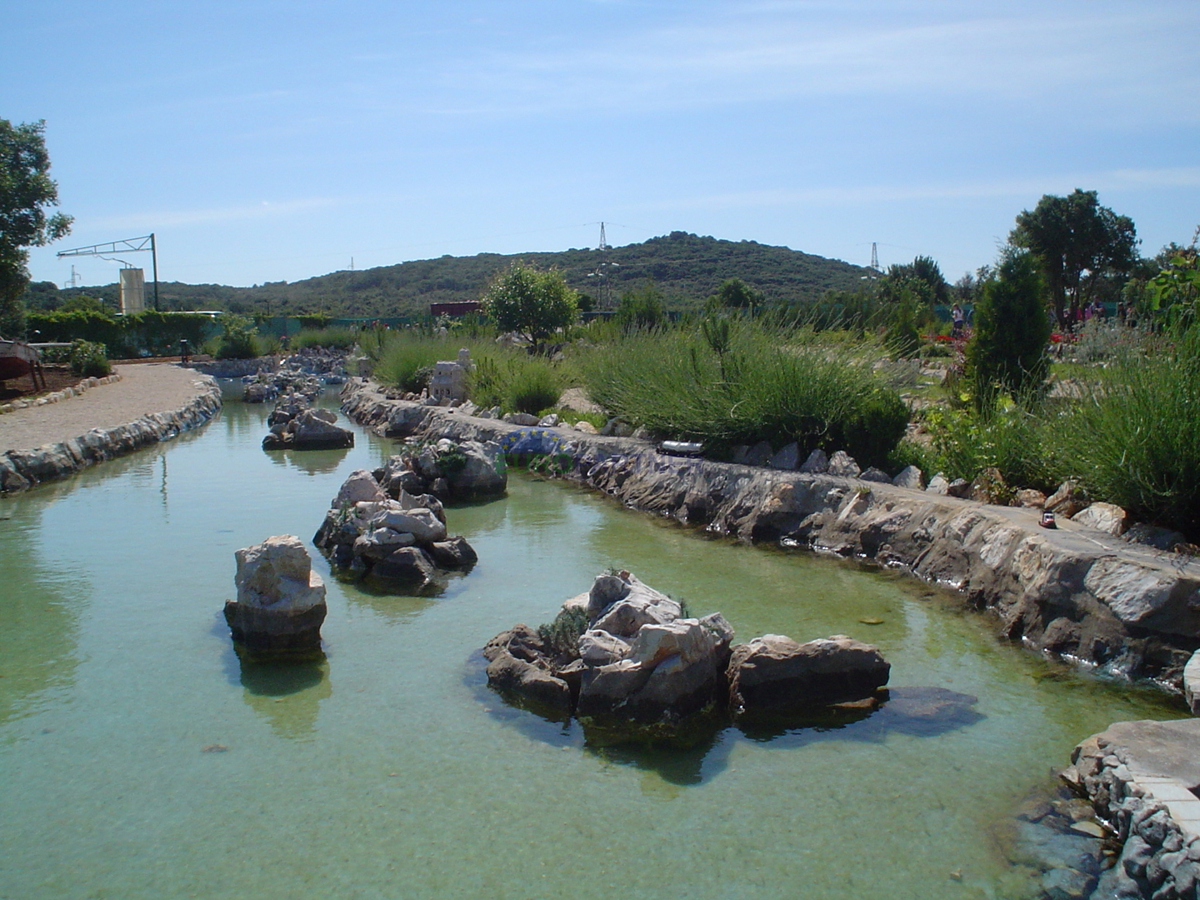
[(143, 389)]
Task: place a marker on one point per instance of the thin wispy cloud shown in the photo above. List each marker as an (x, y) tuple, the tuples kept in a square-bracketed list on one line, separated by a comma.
[(264, 209)]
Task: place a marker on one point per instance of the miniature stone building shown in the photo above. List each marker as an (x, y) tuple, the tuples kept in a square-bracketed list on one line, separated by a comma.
[(449, 379)]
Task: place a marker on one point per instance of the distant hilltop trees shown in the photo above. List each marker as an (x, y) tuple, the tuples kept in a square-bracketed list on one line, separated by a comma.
[(684, 269)]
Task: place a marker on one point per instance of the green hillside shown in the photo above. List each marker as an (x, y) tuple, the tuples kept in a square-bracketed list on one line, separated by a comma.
[(686, 270)]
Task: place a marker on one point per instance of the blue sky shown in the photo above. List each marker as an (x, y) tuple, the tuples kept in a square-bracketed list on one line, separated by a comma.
[(269, 141)]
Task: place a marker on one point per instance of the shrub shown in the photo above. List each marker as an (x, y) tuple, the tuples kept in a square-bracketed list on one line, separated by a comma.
[(406, 362), (237, 338), (89, 359), (337, 338), (1007, 350), (562, 635), (531, 302), (1009, 437), (534, 386)]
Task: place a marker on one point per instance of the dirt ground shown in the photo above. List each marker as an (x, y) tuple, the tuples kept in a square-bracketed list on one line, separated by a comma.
[(57, 378)]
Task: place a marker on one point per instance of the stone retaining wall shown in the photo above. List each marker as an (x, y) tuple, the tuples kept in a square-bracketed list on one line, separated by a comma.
[(1076, 592), (22, 469), (1141, 778)]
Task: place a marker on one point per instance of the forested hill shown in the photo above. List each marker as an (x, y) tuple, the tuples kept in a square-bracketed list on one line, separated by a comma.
[(684, 268)]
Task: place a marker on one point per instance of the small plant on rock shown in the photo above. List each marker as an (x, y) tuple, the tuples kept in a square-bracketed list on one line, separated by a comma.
[(562, 635)]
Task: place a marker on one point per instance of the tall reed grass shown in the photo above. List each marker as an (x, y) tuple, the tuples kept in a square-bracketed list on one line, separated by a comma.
[(505, 377), (738, 382), (336, 338), (1133, 437)]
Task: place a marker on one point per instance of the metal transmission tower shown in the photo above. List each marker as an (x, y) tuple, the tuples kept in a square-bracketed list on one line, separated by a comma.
[(874, 256), (110, 251), (602, 271)]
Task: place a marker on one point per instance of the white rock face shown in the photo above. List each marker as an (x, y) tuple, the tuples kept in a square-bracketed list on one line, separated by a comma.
[(360, 487), (277, 574), (910, 477), (844, 465), (1191, 683), (1106, 517), (421, 523)]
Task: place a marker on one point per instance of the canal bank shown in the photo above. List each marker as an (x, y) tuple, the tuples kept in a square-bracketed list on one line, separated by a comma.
[(1073, 593), (101, 419)]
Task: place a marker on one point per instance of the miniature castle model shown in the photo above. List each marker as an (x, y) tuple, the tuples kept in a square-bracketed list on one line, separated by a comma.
[(449, 379)]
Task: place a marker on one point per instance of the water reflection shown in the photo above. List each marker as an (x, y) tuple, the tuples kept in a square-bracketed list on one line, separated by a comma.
[(915, 711), (287, 694), (310, 462), (699, 750), (393, 608), (39, 613)]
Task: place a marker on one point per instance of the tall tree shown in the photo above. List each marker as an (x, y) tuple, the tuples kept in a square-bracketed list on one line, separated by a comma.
[(531, 302), (1007, 350), (26, 192), (923, 275), (1077, 244)]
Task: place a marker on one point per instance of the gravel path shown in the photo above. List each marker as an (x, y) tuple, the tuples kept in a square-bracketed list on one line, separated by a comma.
[(143, 389)]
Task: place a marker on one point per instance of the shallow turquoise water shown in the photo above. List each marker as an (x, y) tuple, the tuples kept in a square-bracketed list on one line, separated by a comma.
[(139, 759)]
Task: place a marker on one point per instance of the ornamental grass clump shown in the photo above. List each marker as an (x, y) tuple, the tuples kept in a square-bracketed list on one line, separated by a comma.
[(732, 382), (1133, 437), (405, 361), (329, 338)]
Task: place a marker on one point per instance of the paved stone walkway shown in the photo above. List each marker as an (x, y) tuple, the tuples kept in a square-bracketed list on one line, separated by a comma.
[(144, 388)]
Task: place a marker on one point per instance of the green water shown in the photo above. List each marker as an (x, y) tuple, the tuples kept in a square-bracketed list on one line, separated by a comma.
[(139, 759)]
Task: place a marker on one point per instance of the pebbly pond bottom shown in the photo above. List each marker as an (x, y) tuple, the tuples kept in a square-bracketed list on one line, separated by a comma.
[(140, 759)]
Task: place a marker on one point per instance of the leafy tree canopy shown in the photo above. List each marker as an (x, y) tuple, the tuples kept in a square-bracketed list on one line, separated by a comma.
[(26, 191), (736, 294), (531, 302), (1077, 245), (923, 276), (641, 308)]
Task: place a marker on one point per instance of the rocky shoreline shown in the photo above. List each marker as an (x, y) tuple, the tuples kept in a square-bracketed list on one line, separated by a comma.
[(22, 469), (1076, 592)]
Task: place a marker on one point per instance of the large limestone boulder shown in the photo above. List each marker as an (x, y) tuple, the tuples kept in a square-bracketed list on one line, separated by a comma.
[(673, 670), (462, 471), (775, 675), (518, 663), (280, 601)]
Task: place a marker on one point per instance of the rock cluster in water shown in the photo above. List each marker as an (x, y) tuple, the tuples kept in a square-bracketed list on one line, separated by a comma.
[(398, 538), (305, 372), (624, 654), (280, 601), (449, 470), (297, 425)]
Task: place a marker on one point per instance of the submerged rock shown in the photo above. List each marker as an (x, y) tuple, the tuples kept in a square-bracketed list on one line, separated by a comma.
[(280, 603)]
